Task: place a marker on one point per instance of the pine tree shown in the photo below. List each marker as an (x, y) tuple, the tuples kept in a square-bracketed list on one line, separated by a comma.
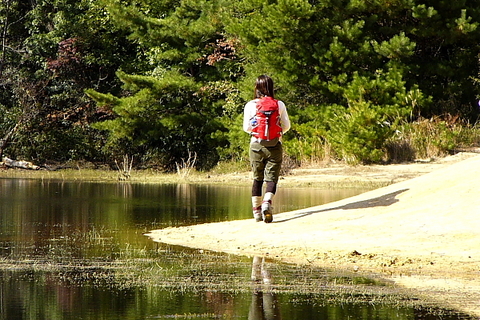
[(371, 62), (172, 108)]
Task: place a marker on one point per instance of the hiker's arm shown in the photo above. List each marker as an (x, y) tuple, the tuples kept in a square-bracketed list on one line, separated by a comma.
[(248, 114), (284, 119)]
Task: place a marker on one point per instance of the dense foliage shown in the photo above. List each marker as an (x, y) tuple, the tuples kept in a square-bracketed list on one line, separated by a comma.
[(161, 80)]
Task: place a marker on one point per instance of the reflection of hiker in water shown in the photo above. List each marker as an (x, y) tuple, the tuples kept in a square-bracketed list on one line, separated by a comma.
[(264, 303)]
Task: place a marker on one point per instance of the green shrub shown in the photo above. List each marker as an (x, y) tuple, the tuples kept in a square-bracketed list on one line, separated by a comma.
[(358, 134)]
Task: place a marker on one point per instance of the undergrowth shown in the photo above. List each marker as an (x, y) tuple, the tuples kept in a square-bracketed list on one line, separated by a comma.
[(431, 138), (422, 139)]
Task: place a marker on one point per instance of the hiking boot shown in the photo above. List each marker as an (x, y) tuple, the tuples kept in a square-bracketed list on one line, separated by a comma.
[(257, 214), (267, 211)]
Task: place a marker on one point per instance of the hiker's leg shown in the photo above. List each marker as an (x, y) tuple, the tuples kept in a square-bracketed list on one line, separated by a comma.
[(257, 162), (270, 191), (272, 173), (273, 167), (257, 200), (258, 167)]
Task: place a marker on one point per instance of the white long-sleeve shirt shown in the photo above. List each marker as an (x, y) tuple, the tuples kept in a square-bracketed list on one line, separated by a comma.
[(250, 111)]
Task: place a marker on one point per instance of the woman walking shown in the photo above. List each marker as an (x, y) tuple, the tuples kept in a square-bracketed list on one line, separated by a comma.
[(266, 120)]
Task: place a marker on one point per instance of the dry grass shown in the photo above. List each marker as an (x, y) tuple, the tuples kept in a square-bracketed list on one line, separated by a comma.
[(432, 138)]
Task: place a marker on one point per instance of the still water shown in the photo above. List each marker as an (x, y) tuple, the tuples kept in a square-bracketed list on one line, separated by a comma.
[(76, 250)]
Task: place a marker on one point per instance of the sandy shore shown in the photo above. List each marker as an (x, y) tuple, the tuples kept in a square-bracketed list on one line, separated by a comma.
[(421, 231)]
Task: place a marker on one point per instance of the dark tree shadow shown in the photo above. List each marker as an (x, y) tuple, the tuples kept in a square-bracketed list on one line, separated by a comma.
[(382, 201)]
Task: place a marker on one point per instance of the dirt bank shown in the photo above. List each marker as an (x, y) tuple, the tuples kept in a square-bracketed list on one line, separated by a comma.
[(422, 231)]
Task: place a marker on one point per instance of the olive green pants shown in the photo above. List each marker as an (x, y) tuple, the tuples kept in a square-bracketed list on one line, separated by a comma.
[(266, 162)]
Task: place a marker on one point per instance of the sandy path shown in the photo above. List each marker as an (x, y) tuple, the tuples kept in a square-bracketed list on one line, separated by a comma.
[(422, 233)]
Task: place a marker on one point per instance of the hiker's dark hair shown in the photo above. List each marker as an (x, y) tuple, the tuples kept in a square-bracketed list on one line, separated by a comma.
[(264, 87)]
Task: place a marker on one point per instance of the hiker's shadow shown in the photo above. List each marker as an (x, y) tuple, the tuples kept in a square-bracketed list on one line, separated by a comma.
[(382, 201)]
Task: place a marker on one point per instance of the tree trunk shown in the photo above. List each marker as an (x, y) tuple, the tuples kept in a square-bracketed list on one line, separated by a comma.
[(6, 139), (19, 164)]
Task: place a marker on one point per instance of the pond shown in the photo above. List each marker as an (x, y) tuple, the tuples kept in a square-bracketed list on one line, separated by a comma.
[(77, 250)]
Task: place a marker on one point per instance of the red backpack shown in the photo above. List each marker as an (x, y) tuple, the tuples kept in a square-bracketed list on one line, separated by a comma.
[(267, 129)]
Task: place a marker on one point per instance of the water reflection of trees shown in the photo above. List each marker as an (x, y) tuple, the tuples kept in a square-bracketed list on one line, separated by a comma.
[(47, 218), (186, 196)]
